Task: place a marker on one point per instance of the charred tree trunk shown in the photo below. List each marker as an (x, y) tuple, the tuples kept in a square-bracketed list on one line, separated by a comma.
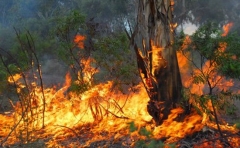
[(157, 62)]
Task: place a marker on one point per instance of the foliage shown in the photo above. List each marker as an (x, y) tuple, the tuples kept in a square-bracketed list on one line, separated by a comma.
[(207, 45), (3, 79), (132, 127), (26, 62), (53, 26), (69, 25), (224, 102), (114, 58), (79, 88), (111, 53), (67, 29), (213, 59), (65, 32)]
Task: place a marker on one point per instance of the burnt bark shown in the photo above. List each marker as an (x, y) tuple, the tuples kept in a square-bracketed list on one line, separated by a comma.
[(157, 62)]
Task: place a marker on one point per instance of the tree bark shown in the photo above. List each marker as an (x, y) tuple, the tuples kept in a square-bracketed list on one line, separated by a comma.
[(152, 41)]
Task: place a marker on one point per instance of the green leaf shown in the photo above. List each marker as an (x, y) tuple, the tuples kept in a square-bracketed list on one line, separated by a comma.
[(144, 132), (132, 127), (237, 125), (152, 144), (198, 79)]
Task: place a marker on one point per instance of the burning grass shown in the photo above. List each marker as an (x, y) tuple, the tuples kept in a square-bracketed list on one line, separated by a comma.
[(99, 117)]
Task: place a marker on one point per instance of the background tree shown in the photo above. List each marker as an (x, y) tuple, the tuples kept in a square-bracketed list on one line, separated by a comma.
[(199, 12), (53, 26)]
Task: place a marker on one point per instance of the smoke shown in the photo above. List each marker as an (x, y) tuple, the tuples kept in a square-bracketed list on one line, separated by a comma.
[(53, 71)]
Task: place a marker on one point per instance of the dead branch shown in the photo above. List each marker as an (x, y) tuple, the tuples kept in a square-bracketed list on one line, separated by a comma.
[(122, 117)]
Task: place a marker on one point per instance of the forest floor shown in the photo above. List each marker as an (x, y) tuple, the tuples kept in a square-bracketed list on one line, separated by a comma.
[(83, 137)]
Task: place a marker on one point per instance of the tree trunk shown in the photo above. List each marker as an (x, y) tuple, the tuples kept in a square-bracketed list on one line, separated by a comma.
[(157, 62)]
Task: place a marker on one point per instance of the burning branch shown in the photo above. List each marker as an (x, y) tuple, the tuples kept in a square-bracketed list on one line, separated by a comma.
[(32, 50)]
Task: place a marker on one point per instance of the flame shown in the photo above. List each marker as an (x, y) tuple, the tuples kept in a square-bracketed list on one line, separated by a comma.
[(185, 69), (68, 80), (222, 47), (173, 26), (174, 129), (214, 79), (226, 28), (89, 70), (79, 40), (208, 68), (183, 62), (14, 79), (110, 111), (80, 110), (158, 61)]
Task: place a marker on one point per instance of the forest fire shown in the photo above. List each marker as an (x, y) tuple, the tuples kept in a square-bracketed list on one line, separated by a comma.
[(111, 112), (116, 111), (96, 114), (69, 77)]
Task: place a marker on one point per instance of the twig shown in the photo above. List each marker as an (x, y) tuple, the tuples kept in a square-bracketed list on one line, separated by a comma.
[(70, 130), (118, 106), (39, 73), (113, 113), (217, 122)]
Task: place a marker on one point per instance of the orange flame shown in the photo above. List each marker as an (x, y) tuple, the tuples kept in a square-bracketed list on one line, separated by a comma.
[(200, 89), (183, 62), (68, 80), (226, 29), (174, 129), (222, 46), (79, 40), (14, 79)]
